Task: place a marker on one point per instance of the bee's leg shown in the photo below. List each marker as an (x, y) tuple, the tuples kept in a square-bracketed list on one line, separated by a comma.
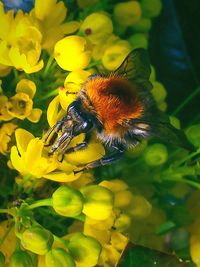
[(106, 160), (81, 145)]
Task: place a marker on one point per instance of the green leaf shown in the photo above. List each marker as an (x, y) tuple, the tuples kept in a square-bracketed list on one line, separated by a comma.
[(165, 227), (138, 256)]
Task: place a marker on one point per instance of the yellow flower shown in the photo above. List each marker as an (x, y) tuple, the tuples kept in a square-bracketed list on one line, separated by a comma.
[(49, 16), (21, 104), (28, 157), (122, 197), (97, 27), (98, 49), (20, 42), (127, 13), (4, 70), (115, 54), (98, 202), (6, 132), (71, 53), (4, 115)]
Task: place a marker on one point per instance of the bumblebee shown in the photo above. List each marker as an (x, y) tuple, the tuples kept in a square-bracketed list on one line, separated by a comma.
[(120, 108)]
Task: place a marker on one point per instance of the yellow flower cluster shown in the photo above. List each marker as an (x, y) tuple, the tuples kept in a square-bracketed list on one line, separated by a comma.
[(104, 214), (23, 36), (21, 104)]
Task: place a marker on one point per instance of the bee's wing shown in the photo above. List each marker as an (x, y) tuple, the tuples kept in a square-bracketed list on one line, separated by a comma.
[(162, 129), (136, 67)]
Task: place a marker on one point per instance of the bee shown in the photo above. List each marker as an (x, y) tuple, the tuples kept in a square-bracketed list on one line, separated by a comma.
[(120, 108)]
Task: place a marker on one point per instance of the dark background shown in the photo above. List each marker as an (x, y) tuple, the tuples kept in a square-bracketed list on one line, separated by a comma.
[(175, 53)]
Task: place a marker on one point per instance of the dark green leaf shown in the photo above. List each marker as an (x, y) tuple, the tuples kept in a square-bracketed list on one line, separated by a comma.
[(138, 256)]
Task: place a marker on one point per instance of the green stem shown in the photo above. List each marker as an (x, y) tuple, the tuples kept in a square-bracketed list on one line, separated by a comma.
[(60, 240), (40, 203), (186, 101), (6, 211), (24, 181), (48, 65), (187, 158), (94, 64), (6, 233), (50, 94), (80, 217), (192, 183), (16, 75)]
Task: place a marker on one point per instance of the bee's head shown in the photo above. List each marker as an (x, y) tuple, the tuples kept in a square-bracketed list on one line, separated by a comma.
[(72, 124)]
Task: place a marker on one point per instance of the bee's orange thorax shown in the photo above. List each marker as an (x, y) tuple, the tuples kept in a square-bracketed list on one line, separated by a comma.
[(114, 99)]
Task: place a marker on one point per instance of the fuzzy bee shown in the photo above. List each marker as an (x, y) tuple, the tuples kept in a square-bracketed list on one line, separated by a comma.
[(120, 108)]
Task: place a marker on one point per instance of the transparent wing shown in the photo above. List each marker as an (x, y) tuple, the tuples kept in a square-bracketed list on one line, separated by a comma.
[(162, 130), (136, 67)]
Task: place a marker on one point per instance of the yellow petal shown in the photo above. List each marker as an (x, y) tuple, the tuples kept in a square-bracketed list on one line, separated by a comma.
[(60, 176), (43, 8), (93, 152), (71, 53), (33, 153), (78, 77), (35, 115), (19, 61), (68, 95), (17, 161), (26, 86), (53, 112), (114, 185), (4, 51), (70, 27), (4, 70), (23, 137)]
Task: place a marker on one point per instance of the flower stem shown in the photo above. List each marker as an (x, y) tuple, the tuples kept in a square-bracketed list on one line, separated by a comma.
[(40, 203), (80, 217), (48, 65), (6, 211), (186, 101), (24, 181), (50, 94), (60, 240), (187, 158)]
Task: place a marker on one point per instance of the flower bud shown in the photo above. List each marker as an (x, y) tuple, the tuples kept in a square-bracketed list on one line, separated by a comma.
[(138, 40), (114, 54), (59, 257), (97, 27), (151, 8), (140, 208), (193, 134), (2, 259), (21, 259), (175, 122), (98, 202), (159, 92), (71, 53), (143, 25), (37, 239), (67, 201), (84, 249), (156, 155), (127, 13), (123, 222)]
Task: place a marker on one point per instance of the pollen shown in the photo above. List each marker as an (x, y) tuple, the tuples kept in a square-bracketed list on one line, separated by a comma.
[(115, 100)]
